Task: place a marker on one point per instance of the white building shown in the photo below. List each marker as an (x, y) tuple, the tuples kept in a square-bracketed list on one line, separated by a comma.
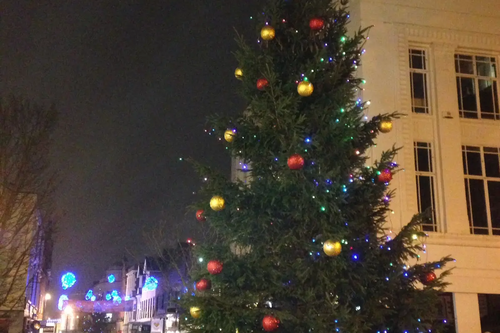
[(152, 293), (436, 61)]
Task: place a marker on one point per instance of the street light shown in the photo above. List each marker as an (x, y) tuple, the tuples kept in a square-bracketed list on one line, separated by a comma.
[(68, 311), (46, 298)]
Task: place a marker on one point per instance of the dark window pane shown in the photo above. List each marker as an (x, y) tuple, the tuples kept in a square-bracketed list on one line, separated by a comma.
[(417, 59), (492, 165), (486, 96), (494, 196), (474, 163), (424, 160), (465, 64), (426, 197), (480, 231), (464, 162), (467, 93), (469, 212), (495, 96), (478, 203)]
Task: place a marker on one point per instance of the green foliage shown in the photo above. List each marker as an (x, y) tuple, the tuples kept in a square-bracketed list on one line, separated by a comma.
[(281, 217)]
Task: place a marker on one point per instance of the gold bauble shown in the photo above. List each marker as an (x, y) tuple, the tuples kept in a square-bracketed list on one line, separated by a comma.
[(305, 88), (267, 33), (217, 203), (229, 135), (238, 73), (332, 248), (385, 126), (195, 312)]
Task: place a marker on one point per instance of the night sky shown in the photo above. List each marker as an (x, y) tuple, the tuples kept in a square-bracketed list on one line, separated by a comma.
[(134, 81)]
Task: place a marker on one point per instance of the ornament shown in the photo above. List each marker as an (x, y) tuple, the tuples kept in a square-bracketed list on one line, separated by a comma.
[(217, 203), (214, 267), (199, 215), (427, 278), (305, 88), (385, 176), (316, 23), (262, 84), (295, 162), (385, 126), (267, 33), (229, 135), (195, 312), (332, 248), (238, 73), (270, 323), (203, 284)]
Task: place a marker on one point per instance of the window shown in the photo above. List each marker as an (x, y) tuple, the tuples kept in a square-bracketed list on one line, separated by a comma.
[(482, 188), (425, 183), (477, 87), (489, 311), (418, 81)]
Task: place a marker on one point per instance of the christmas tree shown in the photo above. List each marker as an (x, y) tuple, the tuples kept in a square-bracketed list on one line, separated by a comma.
[(302, 246)]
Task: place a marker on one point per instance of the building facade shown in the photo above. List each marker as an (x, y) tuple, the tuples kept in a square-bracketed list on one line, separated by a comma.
[(25, 264), (436, 62), (153, 290)]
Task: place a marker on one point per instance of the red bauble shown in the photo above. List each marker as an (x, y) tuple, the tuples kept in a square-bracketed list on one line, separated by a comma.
[(428, 278), (295, 162), (316, 23), (203, 284), (270, 323), (262, 84), (214, 267), (199, 215), (385, 176)]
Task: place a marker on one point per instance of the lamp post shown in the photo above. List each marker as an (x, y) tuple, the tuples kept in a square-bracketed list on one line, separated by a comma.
[(46, 298), (68, 311)]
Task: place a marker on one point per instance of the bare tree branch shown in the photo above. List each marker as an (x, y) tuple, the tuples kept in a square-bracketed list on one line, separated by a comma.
[(26, 185)]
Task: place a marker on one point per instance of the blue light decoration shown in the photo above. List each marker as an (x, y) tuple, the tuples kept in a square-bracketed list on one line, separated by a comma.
[(89, 295), (108, 297), (68, 280), (111, 278), (114, 293), (117, 300), (60, 302), (93, 298), (151, 283)]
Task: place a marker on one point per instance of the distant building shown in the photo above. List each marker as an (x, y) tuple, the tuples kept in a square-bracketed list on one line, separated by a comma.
[(31, 250), (155, 285)]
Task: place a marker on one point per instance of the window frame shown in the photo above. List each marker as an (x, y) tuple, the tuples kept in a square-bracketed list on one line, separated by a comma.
[(476, 77), (427, 77), (485, 180), (432, 175)]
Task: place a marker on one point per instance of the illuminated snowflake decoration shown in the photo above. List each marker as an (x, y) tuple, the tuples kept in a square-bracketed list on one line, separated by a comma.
[(114, 293), (89, 295), (111, 278), (117, 300), (60, 302), (108, 297), (151, 283), (68, 280), (93, 298)]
